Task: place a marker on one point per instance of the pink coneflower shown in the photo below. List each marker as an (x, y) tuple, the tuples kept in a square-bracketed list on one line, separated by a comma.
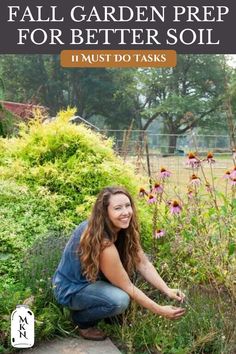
[(190, 194), (151, 199), (158, 188), (208, 187), (195, 181), (159, 233), (193, 161), (233, 173), (142, 192), (164, 173), (175, 207), (233, 181), (227, 174), (209, 158)]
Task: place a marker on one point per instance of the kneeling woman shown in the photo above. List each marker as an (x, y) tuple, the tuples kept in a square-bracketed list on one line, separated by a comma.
[(93, 276)]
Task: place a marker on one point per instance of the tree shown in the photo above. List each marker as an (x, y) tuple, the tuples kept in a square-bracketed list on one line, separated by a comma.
[(6, 118), (33, 79), (39, 79), (182, 97), (230, 106)]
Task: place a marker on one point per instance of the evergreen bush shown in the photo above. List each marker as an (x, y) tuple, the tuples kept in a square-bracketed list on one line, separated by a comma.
[(50, 176)]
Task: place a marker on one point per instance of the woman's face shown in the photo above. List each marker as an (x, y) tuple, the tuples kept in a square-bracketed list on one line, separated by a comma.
[(119, 211)]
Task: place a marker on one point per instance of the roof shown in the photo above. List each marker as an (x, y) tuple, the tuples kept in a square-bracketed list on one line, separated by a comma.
[(21, 110)]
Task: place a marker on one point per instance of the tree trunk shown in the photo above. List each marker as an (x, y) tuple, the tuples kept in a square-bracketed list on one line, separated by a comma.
[(230, 122), (172, 143)]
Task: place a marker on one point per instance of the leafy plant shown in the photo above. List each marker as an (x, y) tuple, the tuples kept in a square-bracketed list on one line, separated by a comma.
[(50, 176)]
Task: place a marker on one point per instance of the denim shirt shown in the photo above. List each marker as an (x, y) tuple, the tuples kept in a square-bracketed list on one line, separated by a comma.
[(68, 278)]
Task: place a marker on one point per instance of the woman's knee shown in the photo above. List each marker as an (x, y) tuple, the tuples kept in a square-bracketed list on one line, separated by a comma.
[(121, 301)]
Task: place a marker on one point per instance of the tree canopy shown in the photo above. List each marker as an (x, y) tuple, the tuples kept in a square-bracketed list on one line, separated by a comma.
[(182, 98)]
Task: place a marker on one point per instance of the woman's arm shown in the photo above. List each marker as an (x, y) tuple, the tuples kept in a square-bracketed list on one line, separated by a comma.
[(149, 272), (112, 268)]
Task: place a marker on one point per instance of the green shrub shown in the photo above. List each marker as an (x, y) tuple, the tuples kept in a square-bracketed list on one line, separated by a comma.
[(50, 176), (7, 122)]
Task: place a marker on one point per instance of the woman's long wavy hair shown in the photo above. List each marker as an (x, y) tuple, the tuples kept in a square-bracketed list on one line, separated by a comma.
[(100, 233)]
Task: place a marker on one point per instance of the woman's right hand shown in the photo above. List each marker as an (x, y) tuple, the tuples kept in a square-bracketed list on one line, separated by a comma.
[(172, 312)]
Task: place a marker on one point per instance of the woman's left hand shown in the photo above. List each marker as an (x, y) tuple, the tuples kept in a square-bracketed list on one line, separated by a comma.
[(176, 294)]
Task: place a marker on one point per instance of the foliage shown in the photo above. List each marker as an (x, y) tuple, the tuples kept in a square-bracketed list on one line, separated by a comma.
[(24, 218), (50, 176), (195, 235), (202, 330), (230, 105), (199, 223), (183, 97), (7, 122), (39, 79), (187, 96)]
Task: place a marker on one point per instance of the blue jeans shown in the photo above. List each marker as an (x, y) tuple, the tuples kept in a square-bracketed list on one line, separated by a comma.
[(97, 301)]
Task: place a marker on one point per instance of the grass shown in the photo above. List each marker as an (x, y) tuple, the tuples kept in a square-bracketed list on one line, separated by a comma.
[(203, 330)]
